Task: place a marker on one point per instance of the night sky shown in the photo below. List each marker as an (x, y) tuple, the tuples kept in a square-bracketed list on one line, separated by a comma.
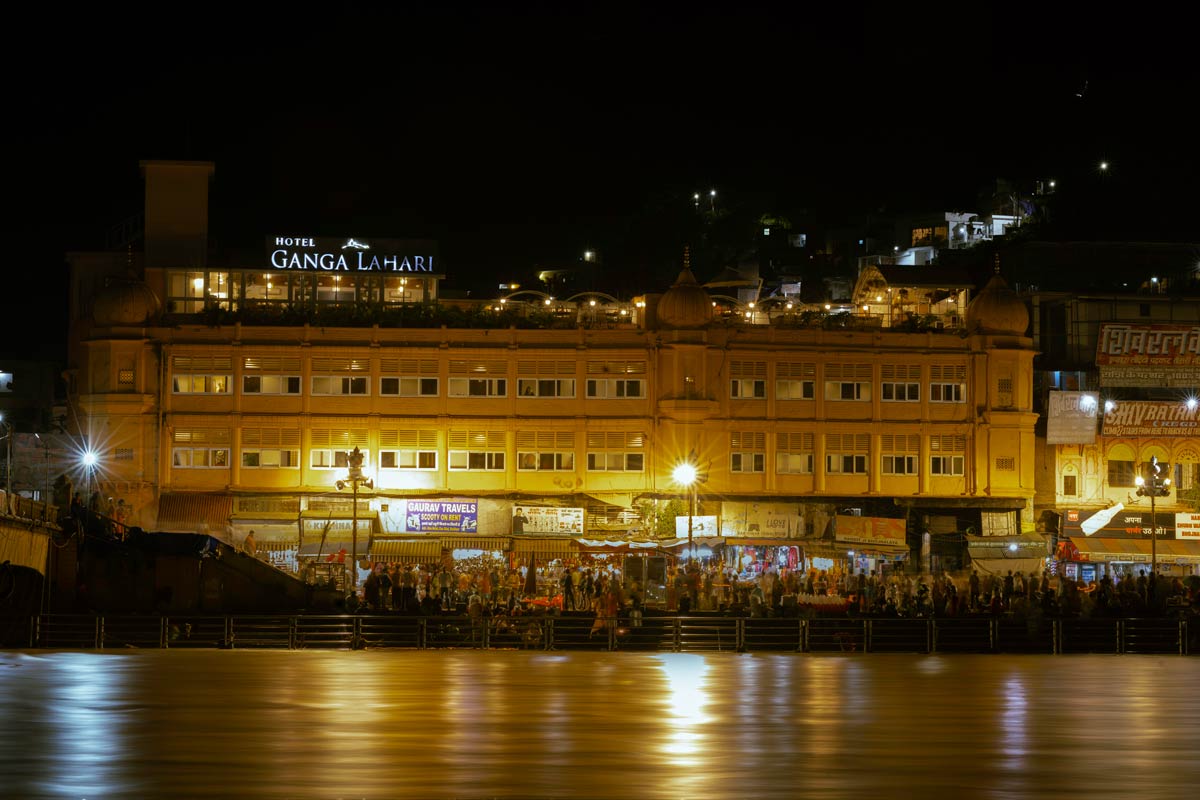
[(520, 134)]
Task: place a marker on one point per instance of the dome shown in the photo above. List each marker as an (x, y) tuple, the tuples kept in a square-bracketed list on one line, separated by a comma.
[(998, 310), (685, 304), (127, 303)]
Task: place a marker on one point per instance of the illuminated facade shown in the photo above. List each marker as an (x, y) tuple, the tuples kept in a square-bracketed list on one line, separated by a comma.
[(211, 407)]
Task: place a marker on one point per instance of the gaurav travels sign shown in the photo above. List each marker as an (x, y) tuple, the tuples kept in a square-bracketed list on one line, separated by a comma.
[(441, 516), (1149, 355), (322, 254), (1151, 418)]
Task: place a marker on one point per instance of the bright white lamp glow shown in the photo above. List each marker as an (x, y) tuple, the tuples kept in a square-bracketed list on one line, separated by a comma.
[(684, 474), (1191, 404), (89, 459), (1109, 406)]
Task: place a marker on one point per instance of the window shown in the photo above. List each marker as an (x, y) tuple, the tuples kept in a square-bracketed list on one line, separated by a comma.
[(901, 383), (478, 451), (899, 465), (1069, 485), (325, 458), (747, 389), (615, 388), (409, 386), (478, 387), (901, 453), (945, 392), (337, 385), (846, 453), (946, 465), (270, 448), (408, 449), (947, 383), (902, 392), (201, 384), (1006, 464), (201, 458), (6, 382), (1121, 473), (615, 451), (545, 387), (331, 448), (747, 451), (125, 378), (270, 384), (546, 451), (794, 453), (847, 390), (795, 380), (190, 292)]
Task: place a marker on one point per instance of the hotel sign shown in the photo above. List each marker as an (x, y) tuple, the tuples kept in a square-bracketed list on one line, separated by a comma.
[(309, 253), (1149, 355), (1150, 418)]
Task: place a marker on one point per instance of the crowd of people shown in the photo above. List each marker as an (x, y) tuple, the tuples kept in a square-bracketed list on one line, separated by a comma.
[(602, 590)]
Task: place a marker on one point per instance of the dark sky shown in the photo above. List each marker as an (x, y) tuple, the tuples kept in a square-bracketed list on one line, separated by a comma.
[(522, 133)]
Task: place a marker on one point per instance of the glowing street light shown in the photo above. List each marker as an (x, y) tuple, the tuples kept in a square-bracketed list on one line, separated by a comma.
[(355, 477), (1156, 485), (688, 477)]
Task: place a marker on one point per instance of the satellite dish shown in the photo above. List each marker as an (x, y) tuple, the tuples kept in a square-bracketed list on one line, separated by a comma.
[(1101, 518)]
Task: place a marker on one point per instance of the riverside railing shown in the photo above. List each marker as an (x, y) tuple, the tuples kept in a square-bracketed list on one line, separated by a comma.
[(1150, 635)]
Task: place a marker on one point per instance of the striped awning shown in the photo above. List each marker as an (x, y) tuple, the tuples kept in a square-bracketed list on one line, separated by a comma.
[(405, 549), (475, 543), (1172, 551), (549, 548), (615, 545), (189, 512)]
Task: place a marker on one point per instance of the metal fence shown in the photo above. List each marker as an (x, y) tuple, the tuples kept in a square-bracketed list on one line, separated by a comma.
[(652, 634)]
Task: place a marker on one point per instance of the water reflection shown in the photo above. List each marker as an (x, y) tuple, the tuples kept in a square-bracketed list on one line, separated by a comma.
[(685, 700)]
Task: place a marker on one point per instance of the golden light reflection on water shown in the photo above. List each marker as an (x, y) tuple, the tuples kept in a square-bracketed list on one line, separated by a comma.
[(686, 699), (88, 726)]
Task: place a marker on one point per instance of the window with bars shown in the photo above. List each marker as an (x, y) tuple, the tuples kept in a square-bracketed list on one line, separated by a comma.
[(481, 451), (946, 465), (125, 378), (615, 451), (747, 451), (794, 453), (270, 448), (408, 450), (339, 385), (546, 451)]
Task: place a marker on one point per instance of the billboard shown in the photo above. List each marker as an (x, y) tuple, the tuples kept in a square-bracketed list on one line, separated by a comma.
[(1187, 526), (870, 530), (1151, 418), (1118, 522), (1072, 418), (701, 526), (547, 519), (761, 519), (440, 516), (1153, 356)]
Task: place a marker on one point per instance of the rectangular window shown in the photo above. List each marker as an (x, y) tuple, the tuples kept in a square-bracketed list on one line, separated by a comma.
[(946, 392), (270, 384), (409, 386), (747, 451), (615, 451), (477, 451), (338, 385), (408, 459), (791, 389), (899, 465), (946, 465), (847, 390), (1069, 485), (748, 389), (845, 464), (201, 384), (125, 378), (270, 458), (902, 392), (615, 388), (324, 458), (201, 458), (545, 387), (794, 453), (1121, 473), (123, 454), (478, 387), (546, 451), (846, 453)]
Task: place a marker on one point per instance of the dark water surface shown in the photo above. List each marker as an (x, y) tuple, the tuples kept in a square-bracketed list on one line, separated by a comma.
[(469, 724)]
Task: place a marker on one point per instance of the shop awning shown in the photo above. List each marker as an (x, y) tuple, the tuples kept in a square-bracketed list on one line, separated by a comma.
[(269, 532), (546, 548), (614, 545), (475, 542), (404, 549), (193, 512), (1001, 566), (309, 549), (1172, 551), (699, 541), (758, 541)]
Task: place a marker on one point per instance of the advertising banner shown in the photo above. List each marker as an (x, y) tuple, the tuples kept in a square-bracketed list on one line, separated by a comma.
[(761, 519), (1151, 418), (1149, 355), (1072, 418), (1187, 526), (1126, 523), (701, 526), (547, 519), (870, 530), (441, 516)]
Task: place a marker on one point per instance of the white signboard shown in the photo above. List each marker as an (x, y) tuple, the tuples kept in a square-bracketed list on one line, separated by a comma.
[(1072, 418), (762, 519), (1187, 526), (701, 526)]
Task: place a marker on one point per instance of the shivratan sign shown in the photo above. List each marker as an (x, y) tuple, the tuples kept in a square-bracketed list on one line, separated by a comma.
[(1151, 418), (1149, 355), (313, 253)]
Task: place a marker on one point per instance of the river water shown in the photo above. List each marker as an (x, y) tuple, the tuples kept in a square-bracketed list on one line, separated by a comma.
[(477, 724)]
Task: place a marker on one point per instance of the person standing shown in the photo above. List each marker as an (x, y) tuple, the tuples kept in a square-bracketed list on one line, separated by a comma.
[(249, 545)]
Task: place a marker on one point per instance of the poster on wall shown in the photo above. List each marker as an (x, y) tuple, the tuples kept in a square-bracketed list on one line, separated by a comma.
[(761, 519), (1152, 356), (440, 516), (1187, 525), (870, 530), (547, 519), (701, 526), (1072, 418)]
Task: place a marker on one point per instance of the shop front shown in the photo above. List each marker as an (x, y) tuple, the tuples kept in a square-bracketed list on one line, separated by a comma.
[(1116, 541), (870, 544), (1025, 554)]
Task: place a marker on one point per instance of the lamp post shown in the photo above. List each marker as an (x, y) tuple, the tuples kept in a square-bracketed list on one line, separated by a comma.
[(685, 475), (8, 437), (1155, 486), (355, 477)]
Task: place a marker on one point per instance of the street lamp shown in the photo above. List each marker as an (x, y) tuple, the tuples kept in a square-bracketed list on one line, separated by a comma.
[(1155, 486), (355, 477), (8, 437), (686, 476)]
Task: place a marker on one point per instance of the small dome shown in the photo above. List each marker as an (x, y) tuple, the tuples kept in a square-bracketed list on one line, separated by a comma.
[(125, 303), (685, 304), (998, 310)]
